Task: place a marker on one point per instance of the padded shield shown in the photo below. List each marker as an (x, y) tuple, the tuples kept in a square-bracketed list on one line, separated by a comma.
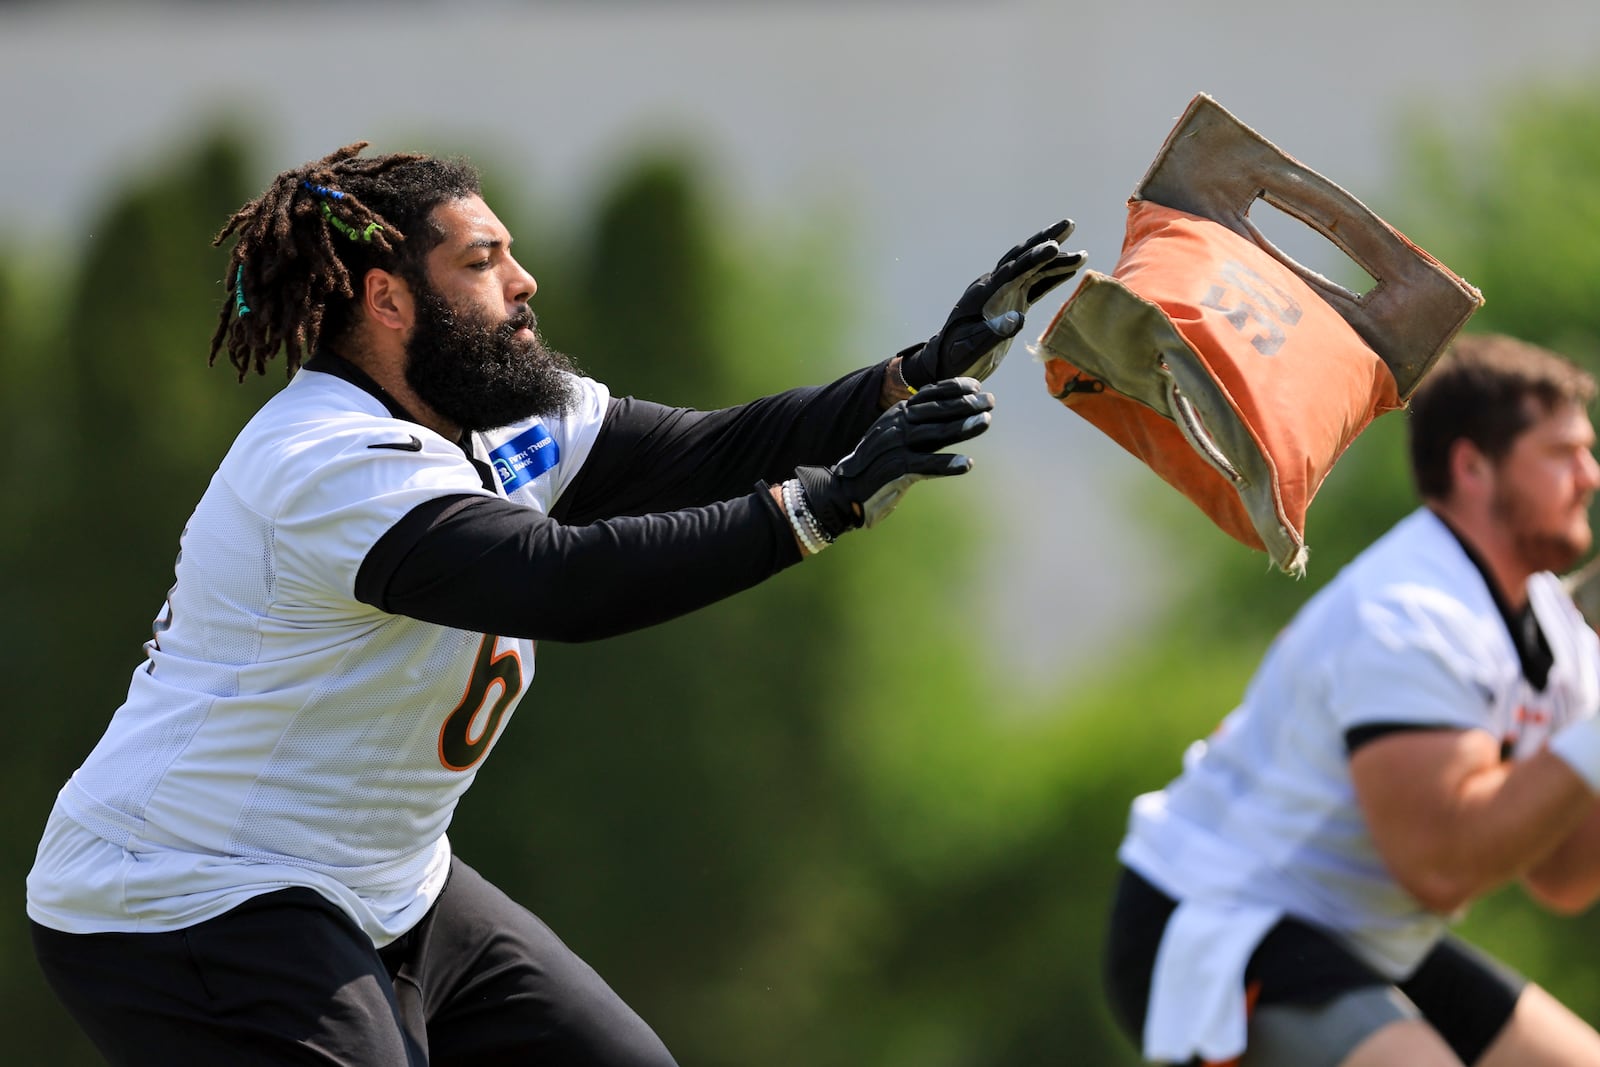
[(1234, 372), (1215, 166)]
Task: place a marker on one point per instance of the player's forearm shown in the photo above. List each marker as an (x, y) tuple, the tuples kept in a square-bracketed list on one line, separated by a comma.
[(1452, 821), (486, 565), (1568, 879), (1503, 821)]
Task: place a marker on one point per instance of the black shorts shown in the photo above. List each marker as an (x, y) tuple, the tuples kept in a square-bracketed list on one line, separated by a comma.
[(288, 978), (1463, 993)]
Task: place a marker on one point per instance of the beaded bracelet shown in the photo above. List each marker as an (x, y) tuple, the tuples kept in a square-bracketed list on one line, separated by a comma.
[(800, 517), (786, 492), (810, 534), (803, 506)]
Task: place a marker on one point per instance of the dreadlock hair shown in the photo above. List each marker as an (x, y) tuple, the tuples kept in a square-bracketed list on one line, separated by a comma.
[(305, 244)]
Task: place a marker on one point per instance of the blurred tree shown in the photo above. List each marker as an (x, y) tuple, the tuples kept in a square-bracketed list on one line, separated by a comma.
[(114, 424), (142, 417), (648, 285), (1511, 202), (35, 482)]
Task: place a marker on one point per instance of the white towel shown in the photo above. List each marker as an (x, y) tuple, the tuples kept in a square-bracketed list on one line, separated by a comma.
[(1197, 995)]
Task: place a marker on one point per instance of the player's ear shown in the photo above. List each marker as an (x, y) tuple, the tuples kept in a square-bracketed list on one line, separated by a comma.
[(1470, 469), (387, 299)]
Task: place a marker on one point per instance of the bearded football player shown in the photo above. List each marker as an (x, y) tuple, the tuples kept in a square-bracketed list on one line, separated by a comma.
[(252, 865)]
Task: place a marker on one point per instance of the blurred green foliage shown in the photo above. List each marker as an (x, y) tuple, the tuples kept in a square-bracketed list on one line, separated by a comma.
[(803, 826)]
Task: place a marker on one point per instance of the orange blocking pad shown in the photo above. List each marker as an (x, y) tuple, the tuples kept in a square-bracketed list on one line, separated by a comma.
[(1236, 374)]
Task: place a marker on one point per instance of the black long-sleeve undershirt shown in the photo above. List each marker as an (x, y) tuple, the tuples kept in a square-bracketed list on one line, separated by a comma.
[(661, 520), (650, 458)]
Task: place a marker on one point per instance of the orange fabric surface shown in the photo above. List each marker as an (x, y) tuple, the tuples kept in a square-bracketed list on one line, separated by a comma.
[(1301, 380)]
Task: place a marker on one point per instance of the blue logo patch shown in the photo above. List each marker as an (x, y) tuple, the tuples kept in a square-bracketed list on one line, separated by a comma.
[(525, 457)]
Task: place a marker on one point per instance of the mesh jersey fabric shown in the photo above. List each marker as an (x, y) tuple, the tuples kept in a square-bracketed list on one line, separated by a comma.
[(282, 732)]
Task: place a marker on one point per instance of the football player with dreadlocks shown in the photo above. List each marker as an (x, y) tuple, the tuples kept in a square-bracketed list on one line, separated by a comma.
[(252, 865)]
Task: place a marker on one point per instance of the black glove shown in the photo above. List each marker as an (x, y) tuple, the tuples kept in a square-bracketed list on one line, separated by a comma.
[(902, 447), (975, 337)]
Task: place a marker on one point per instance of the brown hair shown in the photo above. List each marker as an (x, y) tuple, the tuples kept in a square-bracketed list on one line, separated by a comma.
[(1488, 388)]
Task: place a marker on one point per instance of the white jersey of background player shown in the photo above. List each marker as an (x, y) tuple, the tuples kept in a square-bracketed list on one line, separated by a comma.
[(1423, 731)]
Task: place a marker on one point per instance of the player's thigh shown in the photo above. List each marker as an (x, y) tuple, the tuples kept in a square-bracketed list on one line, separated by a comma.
[(1410, 1043), (1543, 1032), (285, 978), (1366, 1026), (1467, 995), (498, 986)]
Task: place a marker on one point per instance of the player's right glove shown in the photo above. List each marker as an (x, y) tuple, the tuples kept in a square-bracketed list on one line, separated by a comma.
[(899, 449), (975, 336)]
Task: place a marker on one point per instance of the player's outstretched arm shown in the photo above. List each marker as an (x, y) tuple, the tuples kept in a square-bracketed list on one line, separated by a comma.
[(487, 564), (974, 338), (901, 448), (1452, 820)]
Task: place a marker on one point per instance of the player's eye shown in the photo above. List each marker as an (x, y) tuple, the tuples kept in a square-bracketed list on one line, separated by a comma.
[(479, 264)]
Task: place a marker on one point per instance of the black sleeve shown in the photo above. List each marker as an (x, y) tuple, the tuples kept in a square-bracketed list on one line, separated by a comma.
[(487, 565), (651, 458), (1366, 733)]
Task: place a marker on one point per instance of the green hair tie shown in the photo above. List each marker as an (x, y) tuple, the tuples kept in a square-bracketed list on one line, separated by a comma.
[(346, 229), (239, 306)]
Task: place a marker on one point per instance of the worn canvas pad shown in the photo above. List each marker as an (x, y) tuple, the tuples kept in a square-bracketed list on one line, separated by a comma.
[(1232, 371)]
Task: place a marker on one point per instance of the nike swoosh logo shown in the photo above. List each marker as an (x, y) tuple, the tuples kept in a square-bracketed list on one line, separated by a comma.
[(413, 445)]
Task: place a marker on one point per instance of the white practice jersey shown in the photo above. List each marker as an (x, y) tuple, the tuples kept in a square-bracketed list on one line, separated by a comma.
[(1265, 814), (282, 732)]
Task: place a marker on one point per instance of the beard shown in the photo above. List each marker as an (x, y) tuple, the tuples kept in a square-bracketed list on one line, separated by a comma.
[(1540, 544), (477, 373)]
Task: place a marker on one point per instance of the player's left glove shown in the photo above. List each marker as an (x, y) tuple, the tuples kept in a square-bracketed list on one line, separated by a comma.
[(975, 337), (901, 448)]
